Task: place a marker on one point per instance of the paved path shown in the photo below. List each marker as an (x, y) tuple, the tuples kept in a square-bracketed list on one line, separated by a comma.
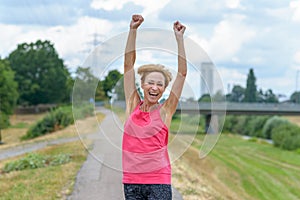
[(26, 148), (100, 177)]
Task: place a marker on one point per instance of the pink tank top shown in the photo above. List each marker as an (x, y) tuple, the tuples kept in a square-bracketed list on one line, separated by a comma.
[(145, 157)]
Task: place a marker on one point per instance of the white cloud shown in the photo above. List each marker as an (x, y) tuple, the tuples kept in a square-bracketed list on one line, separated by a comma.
[(232, 77), (297, 57), (233, 4), (109, 4), (295, 7), (228, 38), (280, 13), (9, 38), (284, 84), (73, 43), (149, 6)]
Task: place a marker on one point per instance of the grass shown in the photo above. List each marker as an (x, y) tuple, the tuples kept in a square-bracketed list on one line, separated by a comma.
[(238, 169), (235, 169), (264, 172), (52, 182)]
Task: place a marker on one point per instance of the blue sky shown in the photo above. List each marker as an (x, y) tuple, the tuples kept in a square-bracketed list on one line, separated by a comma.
[(236, 34)]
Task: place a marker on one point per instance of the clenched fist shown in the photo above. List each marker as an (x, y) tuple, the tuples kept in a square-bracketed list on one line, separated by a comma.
[(136, 21)]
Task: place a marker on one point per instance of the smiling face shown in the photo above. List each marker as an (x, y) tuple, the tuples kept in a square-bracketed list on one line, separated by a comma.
[(153, 87)]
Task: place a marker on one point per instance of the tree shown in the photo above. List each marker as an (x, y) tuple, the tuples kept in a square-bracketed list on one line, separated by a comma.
[(295, 97), (110, 81), (270, 97), (100, 94), (251, 91), (85, 85), (8, 93), (41, 75), (119, 89), (237, 94), (205, 98), (8, 88)]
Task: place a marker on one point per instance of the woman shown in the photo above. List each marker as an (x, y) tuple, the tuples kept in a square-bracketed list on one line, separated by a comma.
[(146, 164)]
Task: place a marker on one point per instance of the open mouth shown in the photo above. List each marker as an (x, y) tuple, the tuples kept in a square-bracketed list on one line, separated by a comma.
[(153, 94)]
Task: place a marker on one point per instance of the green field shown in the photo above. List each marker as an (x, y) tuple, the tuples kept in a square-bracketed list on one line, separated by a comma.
[(255, 170)]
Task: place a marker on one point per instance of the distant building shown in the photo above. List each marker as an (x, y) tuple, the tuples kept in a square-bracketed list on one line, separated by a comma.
[(207, 78)]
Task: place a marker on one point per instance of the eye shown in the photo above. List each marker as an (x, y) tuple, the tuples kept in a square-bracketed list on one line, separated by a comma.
[(160, 84), (150, 83)]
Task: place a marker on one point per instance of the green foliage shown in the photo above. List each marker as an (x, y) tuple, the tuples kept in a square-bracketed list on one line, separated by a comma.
[(4, 121), (58, 119), (110, 81), (237, 94), (205, 98), (8, 88), (119, 89), (85, 85), (286, 136), (34, 161), (245, 125), (295, 97), (41, 75), (256, 125), (83, 111), (241, 126), (270, 124), (270, 97), (54, 120), (229, 123), (251, 90)]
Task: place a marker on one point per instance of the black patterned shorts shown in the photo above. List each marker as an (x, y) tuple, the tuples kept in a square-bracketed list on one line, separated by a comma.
[(148, 191)]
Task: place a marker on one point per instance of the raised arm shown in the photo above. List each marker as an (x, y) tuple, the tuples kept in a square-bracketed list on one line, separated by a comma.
[(131, 96), (172, 101)]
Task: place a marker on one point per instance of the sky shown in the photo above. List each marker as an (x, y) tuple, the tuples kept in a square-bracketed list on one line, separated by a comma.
[(236, 34)]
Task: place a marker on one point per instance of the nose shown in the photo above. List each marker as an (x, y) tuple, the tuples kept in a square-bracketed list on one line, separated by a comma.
[(154, 87)]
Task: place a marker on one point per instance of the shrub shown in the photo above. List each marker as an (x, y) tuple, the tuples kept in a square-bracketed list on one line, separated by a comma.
[(271, 124), (256, 125), (241, 126), (33, 161), (83, 111), (229, 123), (286, 136), (58, 119), (55, 120)]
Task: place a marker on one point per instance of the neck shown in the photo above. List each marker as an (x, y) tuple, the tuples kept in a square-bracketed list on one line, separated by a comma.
[(147, 103), (147, 106)]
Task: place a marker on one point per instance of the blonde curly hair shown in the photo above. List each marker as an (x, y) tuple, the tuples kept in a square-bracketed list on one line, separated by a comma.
[(144, 70)]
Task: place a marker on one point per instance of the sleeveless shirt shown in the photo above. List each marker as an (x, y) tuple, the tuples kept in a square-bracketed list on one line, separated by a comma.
[(145, 157)]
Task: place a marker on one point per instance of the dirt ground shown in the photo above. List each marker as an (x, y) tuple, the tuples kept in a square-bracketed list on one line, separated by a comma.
[(195, 180)]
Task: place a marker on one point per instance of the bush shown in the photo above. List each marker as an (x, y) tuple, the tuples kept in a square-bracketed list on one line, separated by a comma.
[(229, 123), (241, 126), (83, 111), (286, 136), (55, 120), (58, 119), (33, 161), (271, 124), (4, 120), (256, 125)]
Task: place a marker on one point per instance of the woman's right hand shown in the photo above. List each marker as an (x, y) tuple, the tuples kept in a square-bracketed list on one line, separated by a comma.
[(136, 21)]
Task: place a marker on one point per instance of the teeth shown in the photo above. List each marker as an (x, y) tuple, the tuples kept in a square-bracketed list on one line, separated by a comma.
[(153, 94)]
